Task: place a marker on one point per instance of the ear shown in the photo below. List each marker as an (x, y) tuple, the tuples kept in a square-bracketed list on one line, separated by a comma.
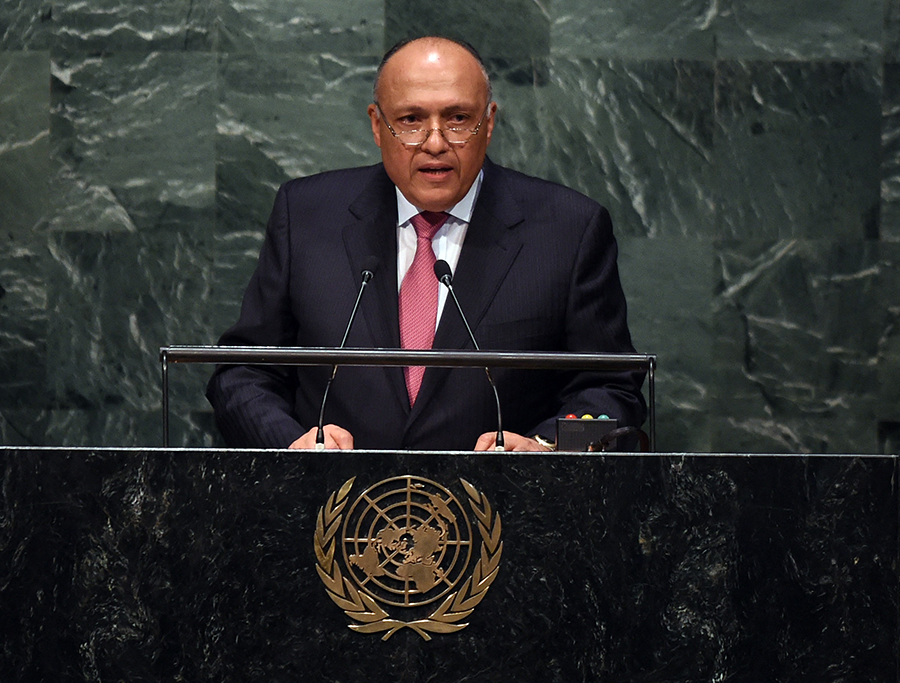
[(376, 124), (491, 119)]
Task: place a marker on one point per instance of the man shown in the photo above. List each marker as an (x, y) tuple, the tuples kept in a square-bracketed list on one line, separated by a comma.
[(534, 269)]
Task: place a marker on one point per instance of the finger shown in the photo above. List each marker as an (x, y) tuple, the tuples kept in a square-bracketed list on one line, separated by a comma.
[(338, 437), (517, 442), (307, 441), (486, 441)]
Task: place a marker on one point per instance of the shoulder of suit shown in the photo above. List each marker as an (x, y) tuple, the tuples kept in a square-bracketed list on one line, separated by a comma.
[(527, 189)]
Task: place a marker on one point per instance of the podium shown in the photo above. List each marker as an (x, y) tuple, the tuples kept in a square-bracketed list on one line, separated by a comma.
[(168, 564)]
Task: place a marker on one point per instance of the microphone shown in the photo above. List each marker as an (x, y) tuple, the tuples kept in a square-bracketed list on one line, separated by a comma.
[(370, 266), (445, 277)]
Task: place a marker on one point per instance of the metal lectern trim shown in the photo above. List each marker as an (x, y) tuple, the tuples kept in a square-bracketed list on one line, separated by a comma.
[(280, 355)]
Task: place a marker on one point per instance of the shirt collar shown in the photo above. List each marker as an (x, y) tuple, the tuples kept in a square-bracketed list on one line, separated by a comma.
[(462, 211)]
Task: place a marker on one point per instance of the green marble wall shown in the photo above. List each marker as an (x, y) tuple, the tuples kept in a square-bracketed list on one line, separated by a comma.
[(749, 151)]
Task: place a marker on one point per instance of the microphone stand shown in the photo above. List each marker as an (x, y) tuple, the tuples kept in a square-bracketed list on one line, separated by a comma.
[(367, 274), (442, 272)]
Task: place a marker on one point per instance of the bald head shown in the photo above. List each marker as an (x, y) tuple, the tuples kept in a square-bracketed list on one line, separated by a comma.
[(437, 44)]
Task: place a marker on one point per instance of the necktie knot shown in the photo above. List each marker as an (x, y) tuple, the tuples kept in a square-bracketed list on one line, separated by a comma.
[(427, 223)]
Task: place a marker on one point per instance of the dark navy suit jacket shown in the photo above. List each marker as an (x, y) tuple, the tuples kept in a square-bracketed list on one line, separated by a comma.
[(537, 272)]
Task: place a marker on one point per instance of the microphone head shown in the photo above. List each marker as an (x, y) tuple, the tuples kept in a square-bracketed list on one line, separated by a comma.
[(442, 271), (370, 266)]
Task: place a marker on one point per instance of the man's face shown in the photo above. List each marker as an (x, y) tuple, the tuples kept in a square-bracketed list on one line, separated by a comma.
[(432, 84)]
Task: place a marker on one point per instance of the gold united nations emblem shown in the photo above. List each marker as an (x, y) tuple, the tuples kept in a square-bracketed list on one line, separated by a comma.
[(406, 547)]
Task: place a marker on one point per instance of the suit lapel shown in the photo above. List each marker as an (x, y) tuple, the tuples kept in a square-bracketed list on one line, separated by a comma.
[(490, 247), (374, 233)]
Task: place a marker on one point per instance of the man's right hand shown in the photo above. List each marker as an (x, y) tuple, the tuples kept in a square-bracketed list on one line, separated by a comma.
[(335, 437)]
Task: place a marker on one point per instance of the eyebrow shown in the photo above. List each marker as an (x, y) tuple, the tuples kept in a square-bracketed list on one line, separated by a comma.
[(452, 109)]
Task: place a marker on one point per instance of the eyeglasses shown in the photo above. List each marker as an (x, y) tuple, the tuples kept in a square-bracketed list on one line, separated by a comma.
[(414, 138)]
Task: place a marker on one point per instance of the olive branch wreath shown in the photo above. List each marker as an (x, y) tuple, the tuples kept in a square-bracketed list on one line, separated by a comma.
[(362, 608)]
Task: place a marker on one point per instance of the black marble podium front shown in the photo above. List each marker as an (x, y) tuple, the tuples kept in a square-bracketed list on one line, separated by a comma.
[(188, 565)]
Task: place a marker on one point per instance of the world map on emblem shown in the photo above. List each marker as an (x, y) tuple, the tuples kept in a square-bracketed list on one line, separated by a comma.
[(407, 541)]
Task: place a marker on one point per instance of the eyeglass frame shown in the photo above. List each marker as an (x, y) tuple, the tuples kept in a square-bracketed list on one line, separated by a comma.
[(474, 131)]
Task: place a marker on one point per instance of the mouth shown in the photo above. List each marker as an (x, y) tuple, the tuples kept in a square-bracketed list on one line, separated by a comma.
[(436, 172)]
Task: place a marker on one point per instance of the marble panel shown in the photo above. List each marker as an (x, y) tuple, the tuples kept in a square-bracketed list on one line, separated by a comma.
[(23, 325), (194, 428), (114, 300), (635, 136), (889, 437), (799, 30), (24, 173), (134, 136), (797, 357), (23, 426), (629, 29), (305, 113), (504, 28), (794, 145), (684, 360), (301, 26), (114, 26), (518, 139), (27, 24), (890, 154), (888, 404), (110, 426), (891, 47), (24, 141), (85, 426), (80, 203)]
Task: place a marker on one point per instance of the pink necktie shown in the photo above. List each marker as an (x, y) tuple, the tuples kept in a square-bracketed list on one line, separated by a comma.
[(419, 297)]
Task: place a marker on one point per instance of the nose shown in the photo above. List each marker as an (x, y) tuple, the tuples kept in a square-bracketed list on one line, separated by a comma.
[(435, 143)]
